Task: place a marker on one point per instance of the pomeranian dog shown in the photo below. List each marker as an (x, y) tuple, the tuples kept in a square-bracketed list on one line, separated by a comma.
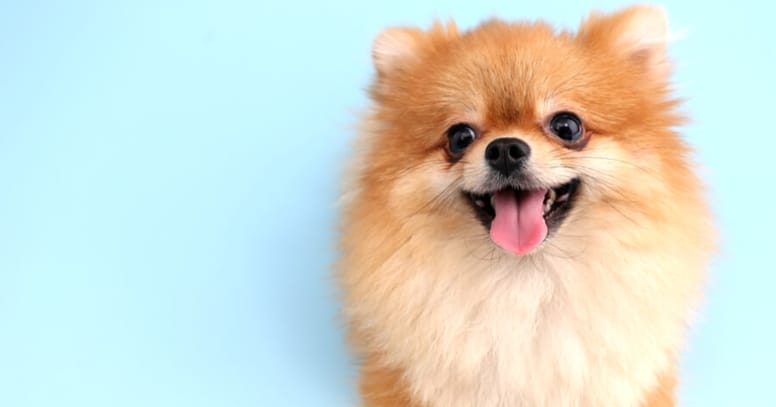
[(523, 226)]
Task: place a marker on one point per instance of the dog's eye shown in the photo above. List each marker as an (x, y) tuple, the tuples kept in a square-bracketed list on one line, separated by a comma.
[(459, 137), (567, 127)]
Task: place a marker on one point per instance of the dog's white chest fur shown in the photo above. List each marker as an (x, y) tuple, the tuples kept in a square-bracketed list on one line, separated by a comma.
[(554, 329)]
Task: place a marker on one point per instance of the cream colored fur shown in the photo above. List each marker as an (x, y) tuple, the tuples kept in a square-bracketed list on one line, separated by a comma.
[(589, 319)]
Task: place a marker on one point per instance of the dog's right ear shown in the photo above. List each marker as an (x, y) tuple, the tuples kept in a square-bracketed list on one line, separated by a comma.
[(397, 48)]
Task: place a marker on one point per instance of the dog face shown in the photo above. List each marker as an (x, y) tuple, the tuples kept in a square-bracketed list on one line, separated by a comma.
[(523, 130)]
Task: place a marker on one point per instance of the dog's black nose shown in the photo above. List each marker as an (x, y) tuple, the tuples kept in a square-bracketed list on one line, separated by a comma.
[(507, 154)]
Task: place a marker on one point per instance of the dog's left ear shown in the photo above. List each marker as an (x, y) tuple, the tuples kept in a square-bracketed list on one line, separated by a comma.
[(640, 33)]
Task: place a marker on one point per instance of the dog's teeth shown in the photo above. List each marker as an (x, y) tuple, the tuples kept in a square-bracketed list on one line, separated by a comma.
[(549, 200), (480, 203), (550, 196), (493, 201), (563, 197)]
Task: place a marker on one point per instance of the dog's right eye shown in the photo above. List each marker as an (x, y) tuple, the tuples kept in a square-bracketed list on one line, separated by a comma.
[(459, 137)]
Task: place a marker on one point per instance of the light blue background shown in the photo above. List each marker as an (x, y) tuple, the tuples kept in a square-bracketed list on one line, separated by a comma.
[(168, 172)]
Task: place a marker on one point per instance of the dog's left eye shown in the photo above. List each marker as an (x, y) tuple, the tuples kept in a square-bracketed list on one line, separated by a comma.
[(459, 137), (567, 127)]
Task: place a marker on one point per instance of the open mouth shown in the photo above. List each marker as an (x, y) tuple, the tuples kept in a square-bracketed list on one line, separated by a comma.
[(520, 220)]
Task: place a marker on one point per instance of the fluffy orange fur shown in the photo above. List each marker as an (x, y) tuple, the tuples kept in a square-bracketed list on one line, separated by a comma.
[(596, 316)]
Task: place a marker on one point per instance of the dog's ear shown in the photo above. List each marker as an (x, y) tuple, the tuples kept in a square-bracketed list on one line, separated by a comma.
[(397, 48), (639, 33)]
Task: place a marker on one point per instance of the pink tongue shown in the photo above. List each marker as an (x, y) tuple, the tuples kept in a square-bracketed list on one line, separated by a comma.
[(519, 224)]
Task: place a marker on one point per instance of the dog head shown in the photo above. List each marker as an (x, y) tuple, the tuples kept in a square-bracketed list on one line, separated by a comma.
[(518, 130)]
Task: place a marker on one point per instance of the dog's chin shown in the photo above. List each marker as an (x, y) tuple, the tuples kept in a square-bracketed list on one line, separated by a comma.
[(520, 220)]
